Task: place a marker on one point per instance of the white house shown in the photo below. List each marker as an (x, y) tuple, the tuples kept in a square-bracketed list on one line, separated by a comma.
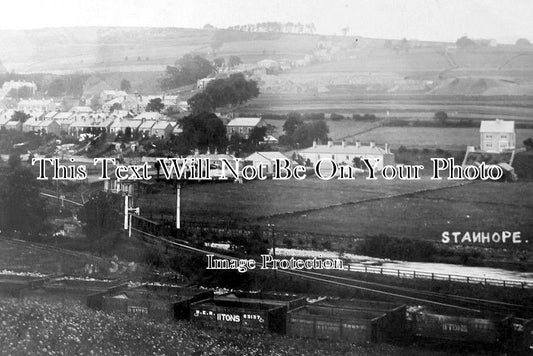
[(497, 135), (17, 85), (29, 106), (202, 83), (265, 159), (162, 129), (146, 128), (243, 126), (345, 154), (121, 125)]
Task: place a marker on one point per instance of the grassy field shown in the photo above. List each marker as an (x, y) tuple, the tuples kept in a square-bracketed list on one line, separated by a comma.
[(341, 207), (230, 201), (343, 100), (431, 137), (475, 207), (26, 258)]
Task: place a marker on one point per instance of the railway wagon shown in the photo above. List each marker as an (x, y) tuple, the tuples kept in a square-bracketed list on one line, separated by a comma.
[(464, 328), (519, 339), (349, 325), (395, 313), (251, 315), (286, 301), (152, 301)]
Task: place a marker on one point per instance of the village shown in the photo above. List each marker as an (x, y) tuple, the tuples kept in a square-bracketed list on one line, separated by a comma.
[(264, 189)]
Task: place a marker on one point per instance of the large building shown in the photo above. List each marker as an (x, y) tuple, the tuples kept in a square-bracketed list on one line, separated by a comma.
[(243, 126), (30, 106), (497, 136), (345, 154)]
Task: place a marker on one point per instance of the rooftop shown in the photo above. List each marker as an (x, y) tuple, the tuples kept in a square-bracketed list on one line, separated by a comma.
[(245, 121), (346, 149), (497, 126)]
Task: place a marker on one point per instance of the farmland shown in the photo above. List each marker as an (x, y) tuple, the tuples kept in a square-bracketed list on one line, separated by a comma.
[(254, 199), (475, 207), (342, 100), (431, 137), (354, 208), (27, 258)]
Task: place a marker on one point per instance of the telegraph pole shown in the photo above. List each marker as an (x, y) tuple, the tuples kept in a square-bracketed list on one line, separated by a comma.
[(178, 205)]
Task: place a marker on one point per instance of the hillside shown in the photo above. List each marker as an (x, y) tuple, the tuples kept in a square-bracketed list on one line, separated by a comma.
[(309, 65)]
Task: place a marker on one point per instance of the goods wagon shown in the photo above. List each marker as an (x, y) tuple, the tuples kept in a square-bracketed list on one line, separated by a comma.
[(350, 325), (286, 301), (251, 314), (152, 301), (474, 329), (519, 337), (395, 312)]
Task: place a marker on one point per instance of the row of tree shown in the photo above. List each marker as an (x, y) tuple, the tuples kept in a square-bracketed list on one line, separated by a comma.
[(187, 70), (289, 27)]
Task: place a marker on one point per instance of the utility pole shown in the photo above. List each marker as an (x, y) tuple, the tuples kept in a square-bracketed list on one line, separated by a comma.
[(178, 205)]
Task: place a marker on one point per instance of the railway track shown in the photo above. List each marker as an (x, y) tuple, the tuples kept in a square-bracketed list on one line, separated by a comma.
[(455, 302)]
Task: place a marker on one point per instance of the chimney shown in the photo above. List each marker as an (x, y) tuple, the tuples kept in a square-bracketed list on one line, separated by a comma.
[(314, 143), (357, 144), (330, 143), (343, 143), (387, 148), (216, 151), (372, 144)]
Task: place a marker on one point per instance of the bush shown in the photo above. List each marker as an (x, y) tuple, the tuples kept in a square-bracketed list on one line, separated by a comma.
[(397, 248), (287, 242)]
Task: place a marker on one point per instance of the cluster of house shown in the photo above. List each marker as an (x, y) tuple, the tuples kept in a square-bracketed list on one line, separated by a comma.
[(137, 103), (120, 112), (82, 119), (15, 85)]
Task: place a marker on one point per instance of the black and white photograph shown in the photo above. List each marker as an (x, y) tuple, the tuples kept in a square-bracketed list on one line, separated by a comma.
[(266, 177)]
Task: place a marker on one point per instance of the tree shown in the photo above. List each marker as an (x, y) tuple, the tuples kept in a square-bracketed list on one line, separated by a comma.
[(155, 105), (125, 85), (100, 215), (234, 90), (20, 116), (21, 207), (441, 116), (201, 102), (257, 135), (219, 62), (204, 130), (291, 124), (57, 88), (116, 106), (95, 103), (528, 143), (345, 30), (234, 61), (523, 42), (465, 42), (187, 70)]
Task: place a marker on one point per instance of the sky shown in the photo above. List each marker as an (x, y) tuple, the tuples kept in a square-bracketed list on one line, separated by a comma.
[(439, 20)]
